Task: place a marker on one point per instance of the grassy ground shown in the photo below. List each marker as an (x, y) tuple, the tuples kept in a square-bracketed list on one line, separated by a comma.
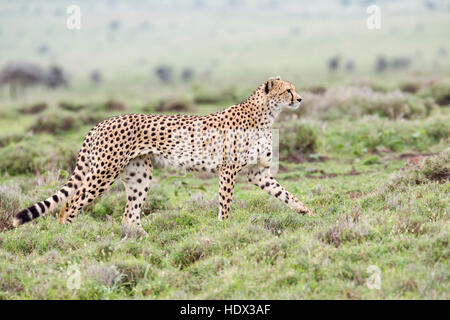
[(376, 202), (368, 153)]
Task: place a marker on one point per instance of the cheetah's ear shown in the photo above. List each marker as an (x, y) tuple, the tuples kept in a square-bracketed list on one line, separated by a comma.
[(270, 83)]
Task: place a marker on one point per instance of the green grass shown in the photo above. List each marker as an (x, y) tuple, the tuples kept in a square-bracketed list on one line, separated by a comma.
[(263, 251), (367, 152), (367, 211)]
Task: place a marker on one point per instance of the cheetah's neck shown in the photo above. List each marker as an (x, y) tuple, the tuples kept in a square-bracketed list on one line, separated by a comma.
[(262, 112)]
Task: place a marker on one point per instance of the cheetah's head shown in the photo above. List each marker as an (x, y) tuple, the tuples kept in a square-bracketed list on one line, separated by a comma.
[(281, 94)]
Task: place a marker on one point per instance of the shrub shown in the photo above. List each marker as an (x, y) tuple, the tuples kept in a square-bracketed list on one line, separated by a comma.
[(435, 168), (10, 138), (316, 89), (354, 102), (53, 123), (297, 139), (439, 91), (37, 108), (114, 105), (371, 160), (60, 122), (38, 154), (372, 133), (410, 87), (175, 105), (204, 96), (70, 106)]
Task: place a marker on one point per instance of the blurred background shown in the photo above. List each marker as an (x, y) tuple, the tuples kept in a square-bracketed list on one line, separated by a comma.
[(143, 49)]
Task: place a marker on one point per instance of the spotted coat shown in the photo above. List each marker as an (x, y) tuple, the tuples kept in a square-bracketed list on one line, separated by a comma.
[(224, 143)]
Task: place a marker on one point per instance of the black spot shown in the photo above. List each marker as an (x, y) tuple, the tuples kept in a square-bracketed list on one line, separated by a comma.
[(64, 192), (47, 203), (55, 198), (278, 194)]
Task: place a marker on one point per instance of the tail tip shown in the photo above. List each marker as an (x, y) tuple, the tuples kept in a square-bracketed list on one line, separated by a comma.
[(21, 218), (16, 222)]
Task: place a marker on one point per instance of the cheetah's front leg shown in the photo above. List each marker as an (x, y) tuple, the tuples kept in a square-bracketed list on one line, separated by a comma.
[(261, 177), (226, 189)]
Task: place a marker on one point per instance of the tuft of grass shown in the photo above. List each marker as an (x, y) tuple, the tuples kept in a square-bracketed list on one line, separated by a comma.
[(9, 204), (435, 168), (191, 252), (371, 160), (344, 230)]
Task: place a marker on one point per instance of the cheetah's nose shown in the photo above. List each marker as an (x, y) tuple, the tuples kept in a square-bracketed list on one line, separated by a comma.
[(299, 99)]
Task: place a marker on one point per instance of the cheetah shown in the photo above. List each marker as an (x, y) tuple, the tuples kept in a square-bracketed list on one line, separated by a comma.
[(223, 143)]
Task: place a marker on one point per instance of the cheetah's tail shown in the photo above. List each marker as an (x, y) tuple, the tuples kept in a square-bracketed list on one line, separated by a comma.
[(65, 192), (45, 206)]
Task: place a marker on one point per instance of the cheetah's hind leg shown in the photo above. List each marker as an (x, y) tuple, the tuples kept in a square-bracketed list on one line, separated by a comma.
[(86, 194), (136, 177)]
